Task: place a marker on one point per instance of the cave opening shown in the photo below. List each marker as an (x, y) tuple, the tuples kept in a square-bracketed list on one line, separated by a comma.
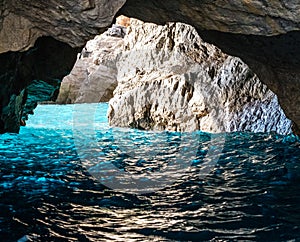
[(147, 171), (46, 62), (272, 58)]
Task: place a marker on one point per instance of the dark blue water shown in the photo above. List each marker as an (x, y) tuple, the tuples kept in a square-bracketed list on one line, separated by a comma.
[(48, 191)]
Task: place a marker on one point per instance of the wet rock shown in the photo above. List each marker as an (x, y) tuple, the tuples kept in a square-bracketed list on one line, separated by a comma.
[(39, 92), (12, 112)]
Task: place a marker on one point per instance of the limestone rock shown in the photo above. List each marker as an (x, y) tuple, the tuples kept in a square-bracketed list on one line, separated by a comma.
[(256, 17), (169, 78), (265, 34), (72, 22), (94, 75)]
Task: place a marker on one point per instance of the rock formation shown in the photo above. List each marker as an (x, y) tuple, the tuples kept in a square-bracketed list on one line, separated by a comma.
[(169, 78), (27, 56), (265, 34), (39, 91), (48, 60), (73, 22), (256, 17), (94, 75)]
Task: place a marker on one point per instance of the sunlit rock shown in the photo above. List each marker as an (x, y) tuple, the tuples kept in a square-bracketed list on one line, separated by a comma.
[(170, 79), (94, 75)]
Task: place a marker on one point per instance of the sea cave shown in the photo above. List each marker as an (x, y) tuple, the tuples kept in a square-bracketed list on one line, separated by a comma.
[(149, 121)]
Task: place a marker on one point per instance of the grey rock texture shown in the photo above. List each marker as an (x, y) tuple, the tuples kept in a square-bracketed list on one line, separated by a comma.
[(72, 22), (94, 75), (169, 78), (256, 17), (265, 34)]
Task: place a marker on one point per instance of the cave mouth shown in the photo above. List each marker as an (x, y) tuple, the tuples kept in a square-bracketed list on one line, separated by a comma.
[(42, 68), (273, 57), (50, 60), (47, 61), (94, 78), (68, 175)]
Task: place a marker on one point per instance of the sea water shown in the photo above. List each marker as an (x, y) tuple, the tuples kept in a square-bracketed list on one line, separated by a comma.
[(68, 176)]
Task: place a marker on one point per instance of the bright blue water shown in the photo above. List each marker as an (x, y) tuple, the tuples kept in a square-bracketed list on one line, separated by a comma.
[(47, 194)]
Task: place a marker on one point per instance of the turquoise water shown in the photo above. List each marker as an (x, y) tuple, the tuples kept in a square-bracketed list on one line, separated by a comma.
[(80, 180)]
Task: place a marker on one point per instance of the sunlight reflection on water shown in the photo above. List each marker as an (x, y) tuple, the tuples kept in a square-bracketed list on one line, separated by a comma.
[(252, 193)]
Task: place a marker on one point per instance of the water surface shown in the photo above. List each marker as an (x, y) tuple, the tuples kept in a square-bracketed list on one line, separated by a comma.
[(47, 193)]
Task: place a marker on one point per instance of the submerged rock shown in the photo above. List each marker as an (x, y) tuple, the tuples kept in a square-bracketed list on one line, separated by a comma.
[(170, 79)]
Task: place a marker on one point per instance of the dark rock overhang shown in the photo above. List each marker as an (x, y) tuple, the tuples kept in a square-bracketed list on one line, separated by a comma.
[(48, 60), (263, 33)]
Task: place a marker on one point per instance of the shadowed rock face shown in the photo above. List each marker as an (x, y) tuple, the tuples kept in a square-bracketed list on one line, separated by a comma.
[(240, 27), (23, 60), (48, 60), (256, 17), (73, 22)]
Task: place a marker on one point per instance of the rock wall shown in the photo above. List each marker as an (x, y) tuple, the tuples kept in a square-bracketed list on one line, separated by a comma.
[(72, 22), (265, 34), (169, 78), (94, 75), (255, 30), (48, 60), (256, 17)]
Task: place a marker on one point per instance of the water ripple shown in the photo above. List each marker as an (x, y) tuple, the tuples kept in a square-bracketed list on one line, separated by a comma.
[(46, 194)]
